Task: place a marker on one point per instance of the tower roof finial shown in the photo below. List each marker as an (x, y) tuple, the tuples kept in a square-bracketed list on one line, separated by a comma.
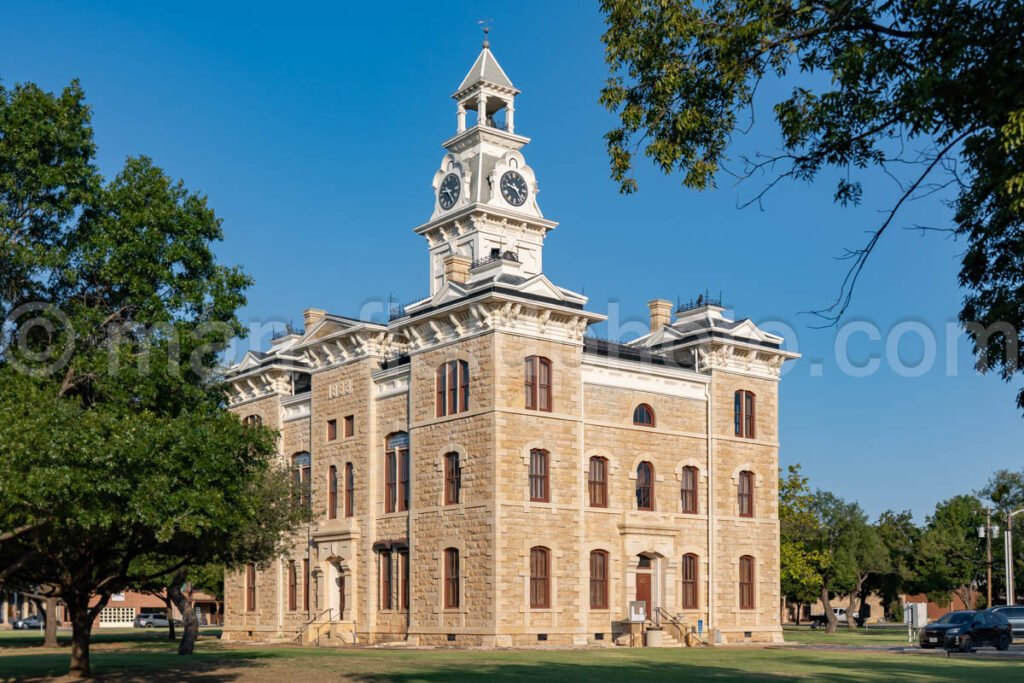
[(485, 23)]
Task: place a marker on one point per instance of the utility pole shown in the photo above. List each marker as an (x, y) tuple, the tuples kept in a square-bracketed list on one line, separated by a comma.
[(1011, 589), (988, 554)]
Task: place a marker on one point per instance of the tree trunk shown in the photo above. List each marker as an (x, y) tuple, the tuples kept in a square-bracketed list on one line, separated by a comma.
[(171, 635), (188, 613), (830, 616), (50, 639), (81, 631)]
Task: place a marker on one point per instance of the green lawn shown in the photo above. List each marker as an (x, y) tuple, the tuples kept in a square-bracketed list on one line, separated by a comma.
[(877, 636), (143, 659)]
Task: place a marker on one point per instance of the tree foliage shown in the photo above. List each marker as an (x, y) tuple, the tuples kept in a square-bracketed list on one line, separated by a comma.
[(927, 91), (951, 556), (119, 464)]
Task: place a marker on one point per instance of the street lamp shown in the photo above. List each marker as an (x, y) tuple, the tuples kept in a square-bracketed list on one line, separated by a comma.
[(1011, 589)]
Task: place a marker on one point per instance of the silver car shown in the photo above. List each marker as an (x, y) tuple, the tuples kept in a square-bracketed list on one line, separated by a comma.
[(1015, 615), (154, 620)]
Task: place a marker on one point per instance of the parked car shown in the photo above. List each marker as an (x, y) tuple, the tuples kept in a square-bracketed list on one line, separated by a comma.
[(1015, 615), (966, 630), (154, 620), (840, 612), (29, 623)]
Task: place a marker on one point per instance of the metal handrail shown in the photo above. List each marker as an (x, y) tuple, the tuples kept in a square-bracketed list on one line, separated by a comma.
[(305, 626)]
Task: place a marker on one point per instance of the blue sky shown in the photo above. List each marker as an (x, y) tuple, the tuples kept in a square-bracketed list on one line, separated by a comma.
[(315, 133)]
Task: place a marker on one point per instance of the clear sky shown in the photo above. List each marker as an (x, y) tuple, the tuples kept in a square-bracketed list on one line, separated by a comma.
[(315, 131)]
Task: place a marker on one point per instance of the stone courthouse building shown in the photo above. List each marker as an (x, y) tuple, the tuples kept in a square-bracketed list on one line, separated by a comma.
[(482, 471)]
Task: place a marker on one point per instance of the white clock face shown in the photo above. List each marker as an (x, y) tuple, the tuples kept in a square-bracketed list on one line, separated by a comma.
[(513, 188), (448, 193)]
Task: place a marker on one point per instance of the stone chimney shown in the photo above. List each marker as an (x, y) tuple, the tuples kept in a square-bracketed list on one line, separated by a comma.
[(311, 316), (456, 268), (661, 313)]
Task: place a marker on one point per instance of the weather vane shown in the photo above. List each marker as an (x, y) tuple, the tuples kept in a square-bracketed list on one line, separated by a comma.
[(486, 24)]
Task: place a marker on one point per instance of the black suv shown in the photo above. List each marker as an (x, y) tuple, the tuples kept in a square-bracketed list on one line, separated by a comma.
[(966, 630)]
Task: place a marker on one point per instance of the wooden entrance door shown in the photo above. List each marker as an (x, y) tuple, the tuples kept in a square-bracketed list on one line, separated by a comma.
[(643, 591)]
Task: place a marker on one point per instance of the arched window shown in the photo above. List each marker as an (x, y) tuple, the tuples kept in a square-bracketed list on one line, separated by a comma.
[(540, 577), (598, 579), (452, 383), (597, 482), (746, 582), (301, 481), (396, 473), (293, 591), (643, 415), (451, 578), (538, 383), (332, 492), (539, 475), (689, 571), (688, 490), (645, 486), (745, 497), (250, 587), (252, 421), (350, 490), (744, 413), (452, 479)]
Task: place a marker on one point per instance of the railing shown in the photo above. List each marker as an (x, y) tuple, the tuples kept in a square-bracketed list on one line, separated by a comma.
[(681, 628), (503, 256), (704, 299), (314, 620)]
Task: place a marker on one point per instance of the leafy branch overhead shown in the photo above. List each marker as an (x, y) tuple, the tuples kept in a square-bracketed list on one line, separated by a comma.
[(928, 92)]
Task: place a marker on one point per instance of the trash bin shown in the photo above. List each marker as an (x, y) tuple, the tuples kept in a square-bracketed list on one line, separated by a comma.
[(655, 637)]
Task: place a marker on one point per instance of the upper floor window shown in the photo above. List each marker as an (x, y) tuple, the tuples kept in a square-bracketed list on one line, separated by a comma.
[(332, 492), (452, 479), (599, 579), (302, 484), (643, 415), (332, 430), (349, 426), (746, 582), (597, 482), (645, 486), (538, 383), (744, 413), (451, 578), (452, 388), (540, 577), (251, 421), (250, 588), (689, 571), (539, 475), (688, 490), (396, 473), (350, 490), (746, 494)]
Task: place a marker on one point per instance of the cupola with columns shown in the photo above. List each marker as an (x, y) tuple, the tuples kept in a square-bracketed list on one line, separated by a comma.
[(485, 194)]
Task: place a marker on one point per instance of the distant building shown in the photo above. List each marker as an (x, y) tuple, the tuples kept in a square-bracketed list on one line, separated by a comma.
[(483, 473)]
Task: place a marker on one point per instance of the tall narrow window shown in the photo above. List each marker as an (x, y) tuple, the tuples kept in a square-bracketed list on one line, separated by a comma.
[(293, 580), (540, 578), (386, 598), (451, 578), (643, 415), (403, 579), (538, 382), (396, 473), (350, 490), (539, 475), (746, 582), (452, 382), (332, 492), (688, 490), (598, 579), (332, 430), (746, 494), (305, 584), (250, 588), (597, 482), (350, 425), (744, 413), (645, 486), (452, 479), (689, 570), (301, 470)]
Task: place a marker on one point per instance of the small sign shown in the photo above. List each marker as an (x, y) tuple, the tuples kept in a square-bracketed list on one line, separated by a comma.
[(638, 611), (117, 597), (700, 627)]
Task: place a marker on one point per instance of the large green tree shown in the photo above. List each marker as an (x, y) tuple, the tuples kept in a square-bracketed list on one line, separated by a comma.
[(798, 529), (119, 464), (929, 92), (840, 528), (951, 556), (1005, 493), (900, 536)]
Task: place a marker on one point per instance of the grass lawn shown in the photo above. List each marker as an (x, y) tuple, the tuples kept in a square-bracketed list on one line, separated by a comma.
[(147, 657), (877, 636)]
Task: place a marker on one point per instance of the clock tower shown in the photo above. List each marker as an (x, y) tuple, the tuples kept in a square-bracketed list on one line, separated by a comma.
[(485, 194)]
